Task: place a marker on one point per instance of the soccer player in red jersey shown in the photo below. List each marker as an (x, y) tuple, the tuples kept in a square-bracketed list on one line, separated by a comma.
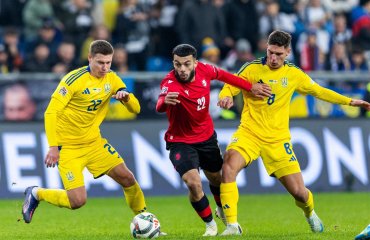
[(191, 138)]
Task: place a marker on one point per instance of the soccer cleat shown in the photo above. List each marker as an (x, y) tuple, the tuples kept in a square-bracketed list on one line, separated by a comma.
[(29, 205), (211, 230), (315, 223), (221, 215), (232, 229), (162, 234), (364, 235)]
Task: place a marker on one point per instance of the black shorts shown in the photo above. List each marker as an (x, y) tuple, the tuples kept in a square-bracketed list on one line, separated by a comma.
[(205, 155)]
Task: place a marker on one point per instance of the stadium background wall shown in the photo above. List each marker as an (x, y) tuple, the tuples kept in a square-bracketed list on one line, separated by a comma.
[(334, 156)]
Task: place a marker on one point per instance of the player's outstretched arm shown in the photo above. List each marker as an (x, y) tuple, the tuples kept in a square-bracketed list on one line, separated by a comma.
[(129, 100), (261, 90), (360, 103)]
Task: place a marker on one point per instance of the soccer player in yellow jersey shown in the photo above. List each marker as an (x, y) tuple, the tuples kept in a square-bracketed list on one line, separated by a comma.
[(76, 110), (264, 129)]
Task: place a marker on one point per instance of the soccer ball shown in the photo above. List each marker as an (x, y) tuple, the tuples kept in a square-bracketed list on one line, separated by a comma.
[(145, 225)]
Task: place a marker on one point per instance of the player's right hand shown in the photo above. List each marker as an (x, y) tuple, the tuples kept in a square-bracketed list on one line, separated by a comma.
[(52, 157), (226, 102), (171, 98), (261, 90)]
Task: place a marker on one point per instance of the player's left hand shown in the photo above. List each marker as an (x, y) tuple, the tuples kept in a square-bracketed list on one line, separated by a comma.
[(360, 103), (122, 96)]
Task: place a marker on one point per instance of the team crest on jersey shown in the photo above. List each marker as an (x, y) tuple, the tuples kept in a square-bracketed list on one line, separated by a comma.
[(63, 91), (70, 176), (234, 139), (107, 88), (284, 82), (164, 90), (204, 83)]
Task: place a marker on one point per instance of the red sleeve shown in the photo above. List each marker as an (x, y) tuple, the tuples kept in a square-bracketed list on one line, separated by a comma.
[(233, 80), (161, 106)]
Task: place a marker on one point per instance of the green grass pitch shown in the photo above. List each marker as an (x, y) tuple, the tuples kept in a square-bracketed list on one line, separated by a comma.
[(265, 216)]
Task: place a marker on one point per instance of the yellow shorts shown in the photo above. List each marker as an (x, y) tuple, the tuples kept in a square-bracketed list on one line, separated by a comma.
[(278, 158), (99, 157)]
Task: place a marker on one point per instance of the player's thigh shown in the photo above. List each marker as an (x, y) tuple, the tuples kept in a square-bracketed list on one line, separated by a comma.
[(247, 145), (71, 163), (183, 157), (102, 158), (279, 159)]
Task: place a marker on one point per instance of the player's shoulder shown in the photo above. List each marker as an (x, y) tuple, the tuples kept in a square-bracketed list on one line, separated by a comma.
[(74, 75), (293, 68), (169, 78), (252, 65)]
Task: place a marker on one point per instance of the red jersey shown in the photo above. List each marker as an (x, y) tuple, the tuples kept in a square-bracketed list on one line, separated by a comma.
[(189, 120)]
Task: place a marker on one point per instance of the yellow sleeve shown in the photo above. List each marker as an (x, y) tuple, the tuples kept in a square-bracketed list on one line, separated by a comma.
[(308, 86), (133, 104), (51, 114), (228, 91)]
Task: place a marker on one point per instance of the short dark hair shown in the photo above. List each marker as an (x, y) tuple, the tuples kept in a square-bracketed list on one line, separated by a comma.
[(102, 47), (279, 38), (184, 50)]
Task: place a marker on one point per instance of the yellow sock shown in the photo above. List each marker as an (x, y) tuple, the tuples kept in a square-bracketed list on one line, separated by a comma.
[(57, 197), (135, 198), (229, 199), (307, 207)]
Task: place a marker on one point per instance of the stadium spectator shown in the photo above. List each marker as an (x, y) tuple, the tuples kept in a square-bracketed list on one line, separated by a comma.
[(40, 61), (338, 60), (76, 110), (98, 32), (210, 52), (273, 19), (364, 235), (358, 60), (361, 24), (199, 19), (132, 29), (65, 57), (18, 104), (238, 56), (264, 129), (14, 49), (47, 34), (340, 6), (311, 56), (237, 13), (11, 13), (34, 13), (191, 138), (78, 21)]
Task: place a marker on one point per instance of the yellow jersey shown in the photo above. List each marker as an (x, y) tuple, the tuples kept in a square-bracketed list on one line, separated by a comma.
[(79, 105), (268, 119)]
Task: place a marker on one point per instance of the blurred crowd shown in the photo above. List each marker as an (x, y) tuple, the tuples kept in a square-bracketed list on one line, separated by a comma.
[(54, 35)]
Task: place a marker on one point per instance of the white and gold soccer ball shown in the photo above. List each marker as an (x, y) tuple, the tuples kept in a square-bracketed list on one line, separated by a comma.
[(145, 225)]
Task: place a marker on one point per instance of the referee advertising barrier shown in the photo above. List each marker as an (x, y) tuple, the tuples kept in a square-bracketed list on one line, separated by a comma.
[(333, 154)]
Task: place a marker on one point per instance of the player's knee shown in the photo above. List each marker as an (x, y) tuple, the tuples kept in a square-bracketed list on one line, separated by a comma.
[(77, 202), (195, 187)]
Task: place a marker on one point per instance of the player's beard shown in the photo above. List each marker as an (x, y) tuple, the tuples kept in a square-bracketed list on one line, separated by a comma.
[(191, 76)]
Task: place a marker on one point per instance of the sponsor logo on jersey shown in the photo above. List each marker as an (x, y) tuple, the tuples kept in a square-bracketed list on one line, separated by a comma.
[(107, 88), (273, 81), (63, 91), (284, 82), (164, 90), (234, 139), (170, 81), (187, 92), (96, 90), (204, 83), (86, 91)]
